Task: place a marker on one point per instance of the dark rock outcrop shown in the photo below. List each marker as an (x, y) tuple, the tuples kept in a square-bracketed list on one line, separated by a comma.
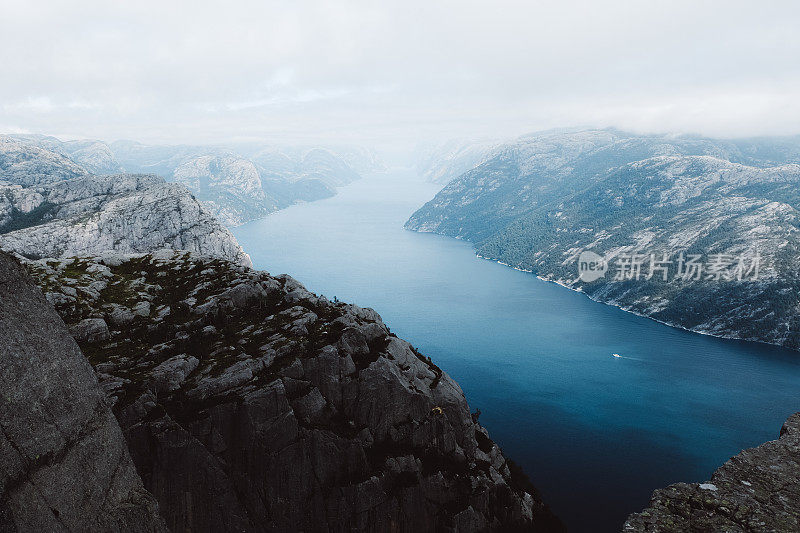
[(64, 463), (250, 404), (756, 491)]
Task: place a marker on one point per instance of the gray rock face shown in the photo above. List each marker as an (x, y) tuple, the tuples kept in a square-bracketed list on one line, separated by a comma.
[(236, 184), (756, 491), (94, 156), (64, 463), (229, 187), (127, 213), (26, 165), (243, 183), (90, 329), (250, 404)]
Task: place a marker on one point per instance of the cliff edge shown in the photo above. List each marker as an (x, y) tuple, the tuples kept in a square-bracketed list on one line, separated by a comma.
[(64, 463)]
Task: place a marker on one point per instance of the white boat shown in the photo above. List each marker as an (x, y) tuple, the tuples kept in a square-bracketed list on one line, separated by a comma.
[(616, 355)]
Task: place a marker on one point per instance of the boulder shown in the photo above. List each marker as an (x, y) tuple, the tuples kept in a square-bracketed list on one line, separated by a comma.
[(90, 330)]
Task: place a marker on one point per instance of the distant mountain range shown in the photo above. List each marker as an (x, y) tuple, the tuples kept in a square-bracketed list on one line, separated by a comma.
[(51, 207), (235, 183), (642, 201), (443, 162)]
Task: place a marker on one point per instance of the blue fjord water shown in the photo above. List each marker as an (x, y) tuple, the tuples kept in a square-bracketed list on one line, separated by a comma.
[(596, 434)]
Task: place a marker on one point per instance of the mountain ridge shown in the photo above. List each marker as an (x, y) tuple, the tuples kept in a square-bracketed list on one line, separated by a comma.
[(237, 183), (88, 214), (538, 205)]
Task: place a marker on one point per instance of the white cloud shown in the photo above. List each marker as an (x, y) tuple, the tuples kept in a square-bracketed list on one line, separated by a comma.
[(396, 71)]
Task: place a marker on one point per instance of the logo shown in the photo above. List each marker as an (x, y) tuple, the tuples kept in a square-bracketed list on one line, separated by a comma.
[(591, 266)]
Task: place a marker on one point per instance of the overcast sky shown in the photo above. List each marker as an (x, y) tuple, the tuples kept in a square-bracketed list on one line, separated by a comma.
[(395, 72)]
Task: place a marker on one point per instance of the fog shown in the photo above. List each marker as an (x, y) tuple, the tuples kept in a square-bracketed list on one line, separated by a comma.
[(392, 74)]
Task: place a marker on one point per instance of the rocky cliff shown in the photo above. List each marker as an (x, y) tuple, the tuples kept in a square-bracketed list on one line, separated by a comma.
[(126, 213), (250, 404), (93, 156), (240, 183), (28, 165), (236, 183), (229, 187), (756, 491), (64, 463)]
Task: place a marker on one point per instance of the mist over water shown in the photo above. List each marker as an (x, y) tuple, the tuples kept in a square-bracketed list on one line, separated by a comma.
[(596, 434)]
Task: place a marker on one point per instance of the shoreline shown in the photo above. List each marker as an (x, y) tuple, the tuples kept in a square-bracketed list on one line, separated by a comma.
[(634, 312)]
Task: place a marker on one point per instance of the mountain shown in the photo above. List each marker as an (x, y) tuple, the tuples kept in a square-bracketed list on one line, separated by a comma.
[(251, 404), (757, 490), (243, 183), (156, 159), (294, 165), (65, 462), (642, 204), (237, 190), (94, 156), (293, 176), (46, 212), (91, 155), (236, 183), (229, 187), (362, 160), (31, 165), (441, 163), (542, 168)]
